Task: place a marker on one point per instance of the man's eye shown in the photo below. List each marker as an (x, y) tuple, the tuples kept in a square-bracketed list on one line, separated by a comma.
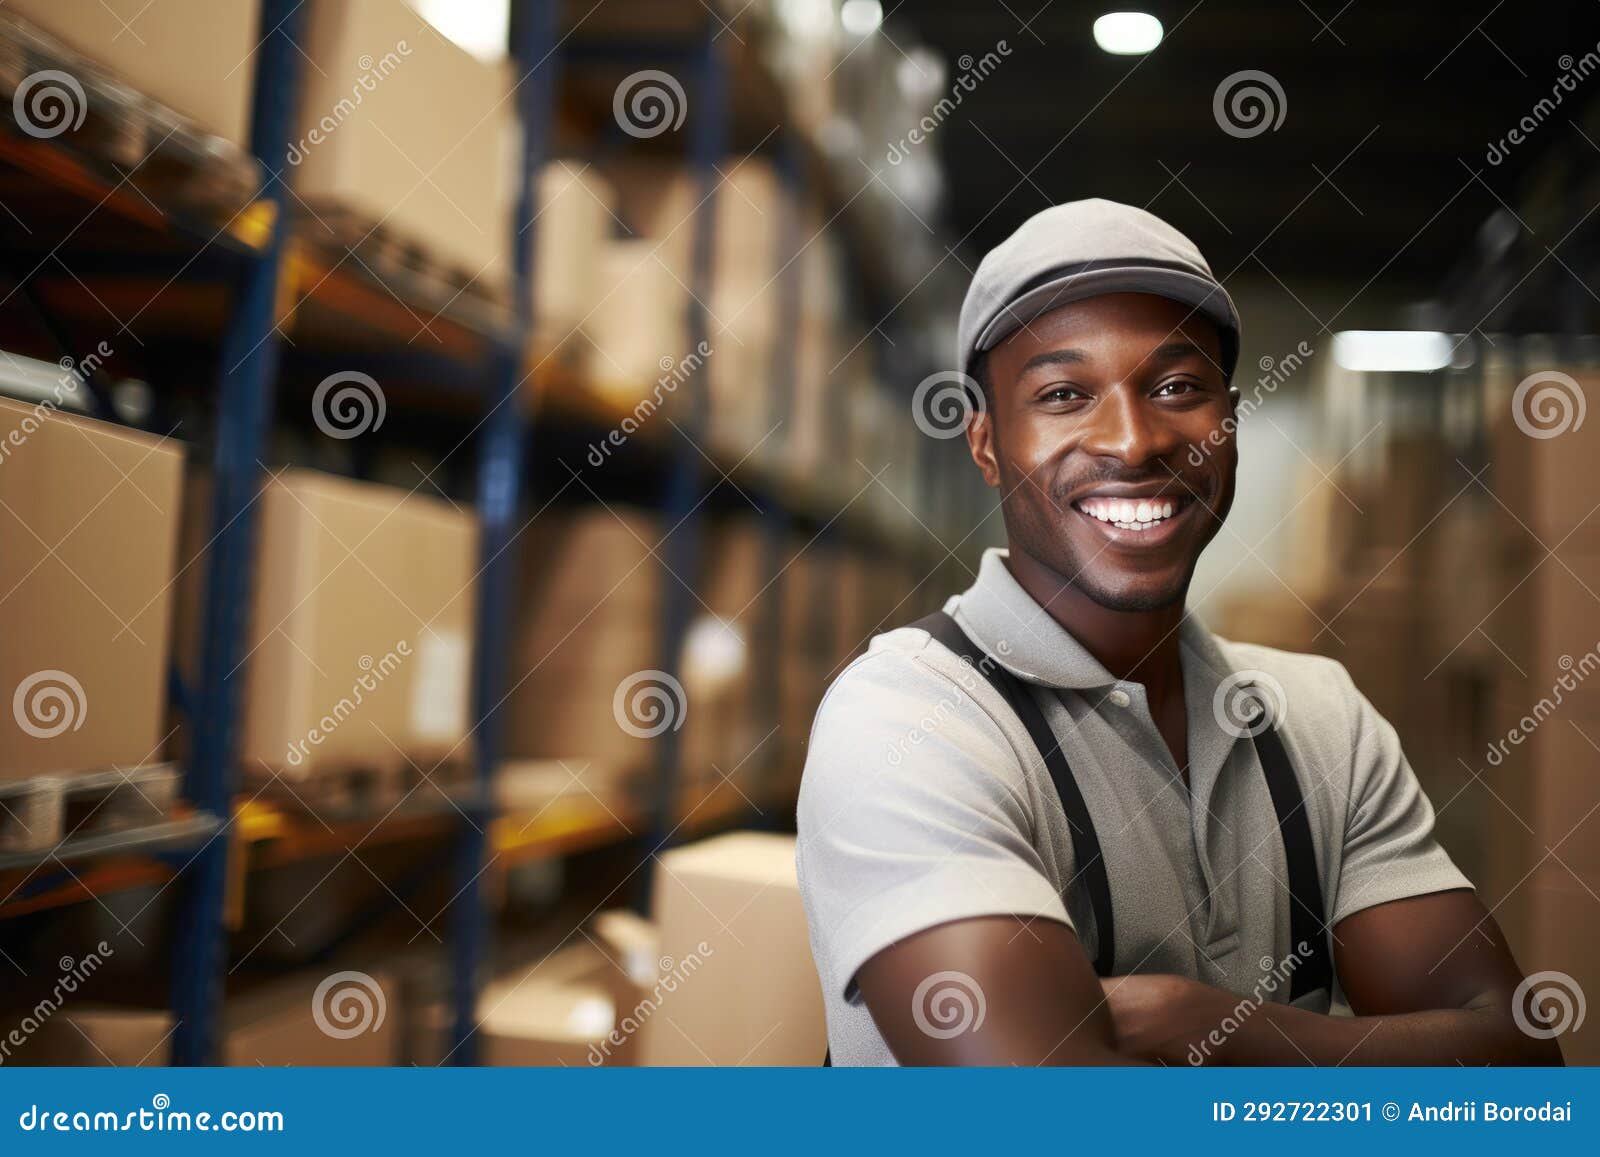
[(1059, 394), (1176, 387)]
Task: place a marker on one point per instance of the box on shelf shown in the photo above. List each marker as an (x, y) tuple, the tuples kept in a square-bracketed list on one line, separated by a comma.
[(400, 126), (730, 919), (1540, 450), (588, 623), (90, 514), (574, 225), (360, 641), (720, 736), (196, 57), (1545, 615), (638, 336)]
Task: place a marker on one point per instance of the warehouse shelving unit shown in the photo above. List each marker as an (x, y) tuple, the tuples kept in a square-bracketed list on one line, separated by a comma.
[(244, 280)]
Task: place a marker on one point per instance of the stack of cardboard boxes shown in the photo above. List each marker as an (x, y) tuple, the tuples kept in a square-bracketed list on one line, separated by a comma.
[(1546, 697), (721, 975), (89, 514)]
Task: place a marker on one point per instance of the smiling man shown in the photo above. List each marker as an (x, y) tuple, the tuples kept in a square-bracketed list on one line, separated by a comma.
[(1060, 822)]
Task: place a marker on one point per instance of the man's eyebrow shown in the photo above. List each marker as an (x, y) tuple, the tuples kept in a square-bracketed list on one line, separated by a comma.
[(1064, 357), (1176, 349)]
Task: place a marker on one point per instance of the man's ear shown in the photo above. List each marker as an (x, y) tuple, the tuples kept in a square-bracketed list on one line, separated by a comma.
[(980, 443)]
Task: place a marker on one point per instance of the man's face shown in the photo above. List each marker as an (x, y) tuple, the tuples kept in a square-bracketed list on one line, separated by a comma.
[(1093, 410)]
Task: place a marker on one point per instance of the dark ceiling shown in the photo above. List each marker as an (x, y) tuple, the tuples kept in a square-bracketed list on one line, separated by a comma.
[(1378, 169)]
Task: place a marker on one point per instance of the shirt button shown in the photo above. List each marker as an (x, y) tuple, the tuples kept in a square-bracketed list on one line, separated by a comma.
[(1119, 697)]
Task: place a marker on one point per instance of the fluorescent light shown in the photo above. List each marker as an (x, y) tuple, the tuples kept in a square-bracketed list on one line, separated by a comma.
[(808, 19), (1392, 350), (861, 17), (481, 27), (1127, 33)]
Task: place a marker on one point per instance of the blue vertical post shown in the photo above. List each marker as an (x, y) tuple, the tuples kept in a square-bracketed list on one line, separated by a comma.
[(707, 145), (500, 471), (244, 411)]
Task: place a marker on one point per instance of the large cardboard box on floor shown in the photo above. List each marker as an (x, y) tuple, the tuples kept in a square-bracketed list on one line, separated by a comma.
[(197, 57), (89, 515), (729, 915), (360, 642), (399, 125), (337, 1018), (563, 1010)]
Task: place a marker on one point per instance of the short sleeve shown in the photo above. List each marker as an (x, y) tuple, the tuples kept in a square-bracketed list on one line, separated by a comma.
[(911, 814), (1390, 851)]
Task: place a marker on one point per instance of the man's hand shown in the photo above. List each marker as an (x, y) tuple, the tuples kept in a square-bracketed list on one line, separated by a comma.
[(1171, 1019)]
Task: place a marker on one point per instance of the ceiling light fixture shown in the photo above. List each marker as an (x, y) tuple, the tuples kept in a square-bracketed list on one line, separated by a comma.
[(1127, 33)]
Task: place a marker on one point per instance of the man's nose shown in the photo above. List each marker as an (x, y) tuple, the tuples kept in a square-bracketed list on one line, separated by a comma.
[(1126, 426)]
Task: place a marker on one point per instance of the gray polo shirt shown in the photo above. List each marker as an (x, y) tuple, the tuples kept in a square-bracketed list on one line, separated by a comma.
[(923, 801)]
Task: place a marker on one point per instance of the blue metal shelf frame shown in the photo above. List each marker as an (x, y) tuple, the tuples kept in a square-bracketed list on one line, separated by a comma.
[(501, 473), (249, 370)]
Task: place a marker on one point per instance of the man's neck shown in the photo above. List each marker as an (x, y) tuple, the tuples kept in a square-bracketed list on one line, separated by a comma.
[(1134, 646)]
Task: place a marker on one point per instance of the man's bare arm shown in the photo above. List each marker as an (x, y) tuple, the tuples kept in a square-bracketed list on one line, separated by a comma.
[(1039, 997), (1430, 979)]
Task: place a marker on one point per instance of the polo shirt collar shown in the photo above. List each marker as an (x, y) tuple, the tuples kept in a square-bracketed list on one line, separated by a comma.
[(1006, 621)]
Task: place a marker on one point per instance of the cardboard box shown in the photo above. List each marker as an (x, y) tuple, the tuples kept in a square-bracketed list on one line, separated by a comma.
[(638, 330), (1540, 476), (399, 125), (89, 515), (629, 969), (1564, 945), (293, 1021), (721, 738), (551, 1013), (575, 222), (360, 644), (197, 57), (588, 621), (746, 991), (341, 1018), (1546, 614)]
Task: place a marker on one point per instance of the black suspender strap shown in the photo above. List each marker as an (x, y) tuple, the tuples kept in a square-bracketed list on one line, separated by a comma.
[(1085, 842), (1314, 969)]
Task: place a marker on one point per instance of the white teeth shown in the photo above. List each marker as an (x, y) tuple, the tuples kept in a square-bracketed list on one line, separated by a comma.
[(1129, 514)]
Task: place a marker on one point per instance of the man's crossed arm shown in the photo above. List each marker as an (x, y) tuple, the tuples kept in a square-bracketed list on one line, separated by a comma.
[(1429, 978)]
